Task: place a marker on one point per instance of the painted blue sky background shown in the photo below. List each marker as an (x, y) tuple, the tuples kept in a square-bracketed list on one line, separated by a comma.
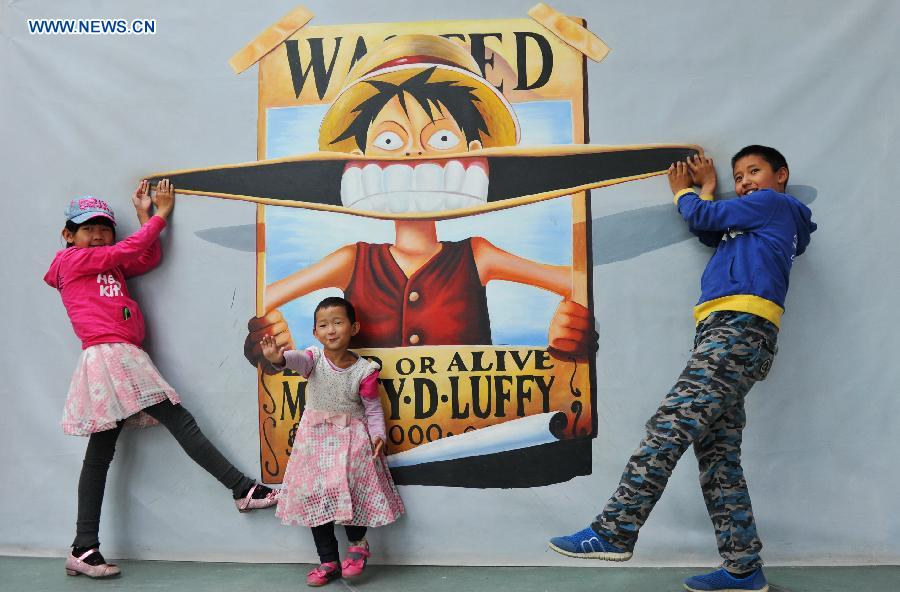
[(520, 314)]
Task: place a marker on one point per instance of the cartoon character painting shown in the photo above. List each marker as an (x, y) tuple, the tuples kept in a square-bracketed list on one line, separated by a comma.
[(418, 133), (419, 100)]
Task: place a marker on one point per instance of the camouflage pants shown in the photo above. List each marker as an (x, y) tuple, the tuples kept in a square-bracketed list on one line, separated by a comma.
[(705, 409)]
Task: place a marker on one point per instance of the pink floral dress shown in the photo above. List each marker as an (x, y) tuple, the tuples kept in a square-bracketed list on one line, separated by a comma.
[(332, 475), (112, 382)]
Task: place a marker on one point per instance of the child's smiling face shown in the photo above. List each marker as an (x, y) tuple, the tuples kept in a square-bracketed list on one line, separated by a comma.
[(90, 235), (333, 328), (753, 172)]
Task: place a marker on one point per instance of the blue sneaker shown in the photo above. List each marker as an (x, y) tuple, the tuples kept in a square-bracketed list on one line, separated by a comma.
[(722, 581), (587, 544)]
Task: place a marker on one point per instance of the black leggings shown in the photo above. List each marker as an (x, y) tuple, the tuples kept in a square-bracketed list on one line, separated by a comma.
[(326, 543), (99, 454)]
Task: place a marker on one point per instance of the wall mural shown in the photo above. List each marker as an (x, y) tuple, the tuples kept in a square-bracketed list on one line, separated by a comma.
[(437, 175)]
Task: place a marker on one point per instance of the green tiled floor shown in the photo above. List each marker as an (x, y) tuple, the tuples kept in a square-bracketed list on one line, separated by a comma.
[(28, 574)]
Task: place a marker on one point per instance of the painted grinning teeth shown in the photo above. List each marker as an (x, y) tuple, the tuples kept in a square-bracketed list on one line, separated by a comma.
[(397, 177), (475, 179), (371, 176), (378, 203), (351, 184), (454, 175), (428, 177), (454, 201), (398, 204), (403, 188)]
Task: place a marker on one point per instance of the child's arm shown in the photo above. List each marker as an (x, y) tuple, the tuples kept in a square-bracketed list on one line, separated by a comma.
[(93, 260), (703, 214), (744, 213), (151, 257), (710, 238), (700, 171), (280, 357), (97, 259), (368, 392)]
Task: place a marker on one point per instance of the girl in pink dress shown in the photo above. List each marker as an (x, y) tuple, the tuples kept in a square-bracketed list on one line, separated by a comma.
[(115, 383), (337, 471)]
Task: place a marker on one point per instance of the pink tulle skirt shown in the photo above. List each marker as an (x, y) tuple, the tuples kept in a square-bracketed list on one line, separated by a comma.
[(332, 476), (112, 382)]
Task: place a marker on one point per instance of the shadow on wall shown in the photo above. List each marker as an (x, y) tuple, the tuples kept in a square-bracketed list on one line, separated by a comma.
[(628, 234), (616, 237)]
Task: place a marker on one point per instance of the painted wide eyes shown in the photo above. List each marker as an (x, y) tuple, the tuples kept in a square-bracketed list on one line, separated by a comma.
[(388, 140), (443, 140)]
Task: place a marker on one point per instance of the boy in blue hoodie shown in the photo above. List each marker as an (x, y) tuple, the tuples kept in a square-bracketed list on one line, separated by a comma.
[(756, 238)]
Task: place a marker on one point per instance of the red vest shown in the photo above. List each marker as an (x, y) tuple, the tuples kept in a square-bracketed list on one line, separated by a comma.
[(443, 303)]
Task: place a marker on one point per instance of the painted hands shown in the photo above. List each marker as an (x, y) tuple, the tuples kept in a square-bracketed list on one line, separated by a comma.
[(271, 324), (572, 333)]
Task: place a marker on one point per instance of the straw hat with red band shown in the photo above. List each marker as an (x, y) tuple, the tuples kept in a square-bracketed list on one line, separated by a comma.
[(401, 58)]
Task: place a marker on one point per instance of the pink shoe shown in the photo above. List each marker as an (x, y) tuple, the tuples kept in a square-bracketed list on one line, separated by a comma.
[(76, 566), (248, 502), (323, 574), (355, 563)]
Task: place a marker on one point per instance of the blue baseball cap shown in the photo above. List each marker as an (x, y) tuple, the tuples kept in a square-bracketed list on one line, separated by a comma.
[(82, 209)]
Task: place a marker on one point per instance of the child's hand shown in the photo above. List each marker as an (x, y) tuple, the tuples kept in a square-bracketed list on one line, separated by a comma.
[(141, 200), (271, 350), (703, 173), (679, 177), (377, 447), (164, 200)]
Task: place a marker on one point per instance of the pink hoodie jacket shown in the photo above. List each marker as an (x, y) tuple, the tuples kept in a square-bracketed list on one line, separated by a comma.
[(91, 281)]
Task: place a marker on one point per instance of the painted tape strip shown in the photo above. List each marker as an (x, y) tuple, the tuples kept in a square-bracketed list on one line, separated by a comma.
[(570, 32), (270, 39)]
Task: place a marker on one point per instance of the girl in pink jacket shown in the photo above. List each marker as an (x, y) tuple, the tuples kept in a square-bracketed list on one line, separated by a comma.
[(115, 383)]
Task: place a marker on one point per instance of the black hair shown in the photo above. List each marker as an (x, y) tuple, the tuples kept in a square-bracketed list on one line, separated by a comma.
[(775, 158), (336, 301), (458, 100), (99, 220)]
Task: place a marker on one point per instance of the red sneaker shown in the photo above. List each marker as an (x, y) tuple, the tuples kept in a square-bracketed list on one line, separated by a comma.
[(355, 563), (323, 574)]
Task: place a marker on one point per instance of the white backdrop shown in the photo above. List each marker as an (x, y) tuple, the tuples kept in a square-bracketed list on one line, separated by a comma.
[(92, 114)]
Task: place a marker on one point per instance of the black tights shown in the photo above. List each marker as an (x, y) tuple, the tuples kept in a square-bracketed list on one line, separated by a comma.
[(326, 543), (102, 446)]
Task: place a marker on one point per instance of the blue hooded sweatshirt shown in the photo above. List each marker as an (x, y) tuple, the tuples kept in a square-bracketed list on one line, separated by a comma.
[(756, 238)]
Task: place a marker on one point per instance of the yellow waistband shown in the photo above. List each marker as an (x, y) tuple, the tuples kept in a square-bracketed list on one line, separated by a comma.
[(741, 303)]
